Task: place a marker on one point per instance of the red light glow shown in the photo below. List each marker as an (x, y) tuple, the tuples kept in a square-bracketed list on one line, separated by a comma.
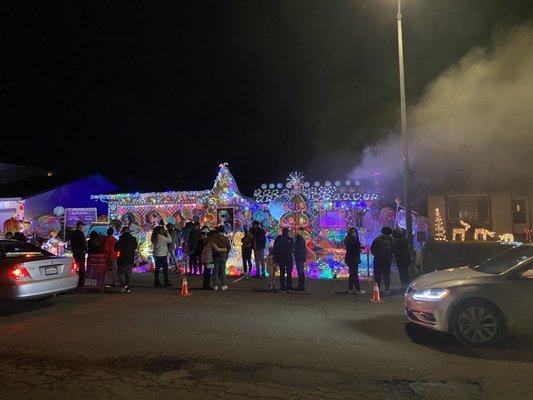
[(74, 268), (18, 273)]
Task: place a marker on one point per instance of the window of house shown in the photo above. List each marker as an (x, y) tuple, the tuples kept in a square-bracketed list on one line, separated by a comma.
[(519, 211), (468, 207)]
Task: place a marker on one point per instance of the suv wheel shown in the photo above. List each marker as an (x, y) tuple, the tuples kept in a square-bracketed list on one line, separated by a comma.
[(478, 323)]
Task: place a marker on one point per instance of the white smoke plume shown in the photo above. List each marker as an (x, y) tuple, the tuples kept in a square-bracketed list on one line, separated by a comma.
[(473, 128)]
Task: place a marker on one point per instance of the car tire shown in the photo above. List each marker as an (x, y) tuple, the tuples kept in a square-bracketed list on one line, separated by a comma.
[(478, 323)]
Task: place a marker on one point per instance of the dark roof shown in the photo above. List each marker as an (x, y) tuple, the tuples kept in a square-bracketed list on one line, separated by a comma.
[(12, 172), (34, 185)]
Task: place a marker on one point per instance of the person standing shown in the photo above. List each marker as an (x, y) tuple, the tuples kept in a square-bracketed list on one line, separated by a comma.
[(221, 248), (192, 242), (300, 256), (172, 246), (247, 244), (108, 247), (21, 237), (259, 235), (199, 249), (126, 246), (353, 259), (94, 244), (272, 269), (160, 240), (381, 249), (207, 259), (78, 245), (400, 249), (283, 253)]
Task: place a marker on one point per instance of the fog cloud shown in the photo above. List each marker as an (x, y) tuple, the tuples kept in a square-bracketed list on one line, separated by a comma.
[(473, 128)]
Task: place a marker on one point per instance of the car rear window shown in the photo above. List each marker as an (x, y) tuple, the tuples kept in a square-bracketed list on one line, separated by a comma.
[(506, 260), (21, 249)]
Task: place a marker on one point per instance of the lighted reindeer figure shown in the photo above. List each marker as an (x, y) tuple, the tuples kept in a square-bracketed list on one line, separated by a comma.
[(506, 238), (484, 233), (460, 231)]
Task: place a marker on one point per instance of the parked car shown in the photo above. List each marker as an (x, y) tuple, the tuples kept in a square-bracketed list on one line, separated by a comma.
[(27, 271), (479, 304), (99, 227)]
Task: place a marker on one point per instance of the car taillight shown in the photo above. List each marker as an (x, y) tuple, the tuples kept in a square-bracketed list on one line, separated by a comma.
[(18, 273), (74, 268)]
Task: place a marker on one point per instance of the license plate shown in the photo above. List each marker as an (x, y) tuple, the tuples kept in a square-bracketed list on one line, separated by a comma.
[(51, 271)]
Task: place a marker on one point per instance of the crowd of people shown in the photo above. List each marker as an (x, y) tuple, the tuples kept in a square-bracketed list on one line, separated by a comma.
[(207, 252), (121, 253)]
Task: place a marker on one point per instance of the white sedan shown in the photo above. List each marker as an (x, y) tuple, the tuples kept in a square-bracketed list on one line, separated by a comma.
[(27, 271)]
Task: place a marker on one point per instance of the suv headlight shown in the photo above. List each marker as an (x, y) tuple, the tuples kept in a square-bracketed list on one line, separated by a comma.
[(432, 294)]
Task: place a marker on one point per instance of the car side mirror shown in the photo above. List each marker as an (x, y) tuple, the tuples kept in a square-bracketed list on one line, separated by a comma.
[(527, 274)]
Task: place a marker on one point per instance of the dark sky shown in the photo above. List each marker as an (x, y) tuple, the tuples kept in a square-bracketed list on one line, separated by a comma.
[(156, 94)]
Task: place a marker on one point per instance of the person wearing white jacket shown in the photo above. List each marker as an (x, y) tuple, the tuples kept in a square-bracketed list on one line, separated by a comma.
[(160, 240)]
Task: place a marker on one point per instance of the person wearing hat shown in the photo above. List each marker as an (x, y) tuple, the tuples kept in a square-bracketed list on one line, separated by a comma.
[(382, 250), (78, 246)]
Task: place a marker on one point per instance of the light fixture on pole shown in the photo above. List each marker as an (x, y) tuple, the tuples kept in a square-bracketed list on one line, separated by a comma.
[(405, 142)]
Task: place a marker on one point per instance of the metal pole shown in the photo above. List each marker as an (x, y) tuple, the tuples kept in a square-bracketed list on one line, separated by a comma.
[(405, 142)]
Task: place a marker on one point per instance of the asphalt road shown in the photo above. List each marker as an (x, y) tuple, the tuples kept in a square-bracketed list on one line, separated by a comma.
[(245, 343)]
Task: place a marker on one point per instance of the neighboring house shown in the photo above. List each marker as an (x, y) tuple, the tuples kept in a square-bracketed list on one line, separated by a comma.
[(38, 194), (501, 212), (12, 173)]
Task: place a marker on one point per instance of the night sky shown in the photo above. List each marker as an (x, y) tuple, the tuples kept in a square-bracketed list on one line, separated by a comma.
[(155, 95)]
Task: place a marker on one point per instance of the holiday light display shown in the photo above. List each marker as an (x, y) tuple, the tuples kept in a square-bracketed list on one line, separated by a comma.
[(325, 210), (506, 238), (142, 211), (484, 233), (461, 232), (297, 214), (440, 230), (528, 235)]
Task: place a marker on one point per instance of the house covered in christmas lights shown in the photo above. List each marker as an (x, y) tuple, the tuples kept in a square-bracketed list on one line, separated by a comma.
[(325, 211)]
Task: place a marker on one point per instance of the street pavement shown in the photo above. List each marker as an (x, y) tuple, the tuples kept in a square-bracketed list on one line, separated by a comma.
[(245, 343)]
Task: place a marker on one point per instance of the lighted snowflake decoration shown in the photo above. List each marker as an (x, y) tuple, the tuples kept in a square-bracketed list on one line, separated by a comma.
[(296, 180)]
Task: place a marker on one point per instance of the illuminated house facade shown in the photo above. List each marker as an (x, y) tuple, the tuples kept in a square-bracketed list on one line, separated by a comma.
[(500, 212), (325, 210)]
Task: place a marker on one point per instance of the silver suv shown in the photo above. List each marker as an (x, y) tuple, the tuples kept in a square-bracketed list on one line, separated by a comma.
[(478, 304)]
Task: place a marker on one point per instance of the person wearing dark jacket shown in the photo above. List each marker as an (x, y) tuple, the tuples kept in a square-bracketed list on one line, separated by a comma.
[(381, 249), (126, 246), (221, 247), (172, 246), (192, 242), (259, 235), (283, 253), (19, 236), (300, 256), (94, 244), (352, 260), (400, 249), (78, 246), (247, 244)]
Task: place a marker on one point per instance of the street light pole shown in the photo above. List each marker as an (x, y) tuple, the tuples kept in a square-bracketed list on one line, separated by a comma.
[(405, 142)]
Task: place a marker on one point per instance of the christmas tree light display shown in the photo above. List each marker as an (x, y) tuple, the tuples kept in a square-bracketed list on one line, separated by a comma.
[(297, 206), (440, 231)]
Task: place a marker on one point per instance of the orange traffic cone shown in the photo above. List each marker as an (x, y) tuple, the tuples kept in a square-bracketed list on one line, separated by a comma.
[(375, 294), (185, 288)]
